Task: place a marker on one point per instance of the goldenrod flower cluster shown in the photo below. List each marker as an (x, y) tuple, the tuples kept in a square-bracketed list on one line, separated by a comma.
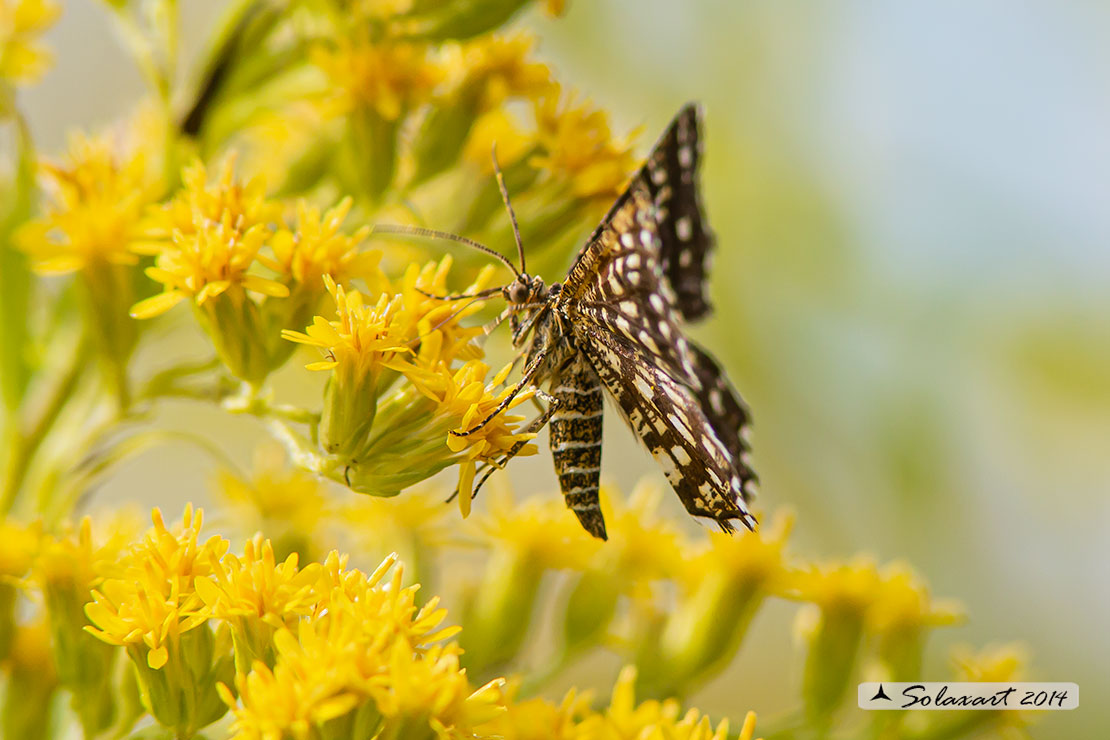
[(174, 626)]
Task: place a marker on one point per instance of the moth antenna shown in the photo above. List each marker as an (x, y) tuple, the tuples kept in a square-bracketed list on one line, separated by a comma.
[(446, 236), (509, 207)]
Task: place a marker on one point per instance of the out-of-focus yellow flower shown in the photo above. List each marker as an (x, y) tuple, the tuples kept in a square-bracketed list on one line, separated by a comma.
[(30, 683), (496, 127), (841, 596), (502, 68), (992, 664), (901, 616), (154, 600), (540, 719), (414, 525), (66, 570), (540, 530), (215, 257), (526, 540), (284, 502), (723, 588), (555, 8), (22, 59), (18, 545), (387, 77), (99, 195), (579, 147), (647, 546)]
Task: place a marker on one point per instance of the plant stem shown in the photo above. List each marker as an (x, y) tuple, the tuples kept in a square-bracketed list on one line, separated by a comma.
[(26, 446)]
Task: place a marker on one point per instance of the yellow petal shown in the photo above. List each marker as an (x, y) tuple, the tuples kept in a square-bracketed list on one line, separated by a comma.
[(157, 304)]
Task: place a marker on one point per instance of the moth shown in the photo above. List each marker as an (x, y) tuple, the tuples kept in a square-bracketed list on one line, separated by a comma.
[(614, 325)]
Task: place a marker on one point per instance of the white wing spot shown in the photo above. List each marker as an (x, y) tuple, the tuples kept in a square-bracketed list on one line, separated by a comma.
[(685, 156), (648, 342), (680, 425), (683, 228), (680, 455), (657, 303), (646, 237), (716, 401), (644, 387), (624, 326), (630, 308), (686, 257), (665, 329), (632, 261), (615, 285), (665, 462)]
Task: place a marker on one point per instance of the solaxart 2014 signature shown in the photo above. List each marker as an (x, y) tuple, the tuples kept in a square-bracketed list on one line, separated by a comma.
[(942, 695)]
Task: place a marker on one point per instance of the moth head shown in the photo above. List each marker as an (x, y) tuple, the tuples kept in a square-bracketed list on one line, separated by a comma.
[(525, 289)]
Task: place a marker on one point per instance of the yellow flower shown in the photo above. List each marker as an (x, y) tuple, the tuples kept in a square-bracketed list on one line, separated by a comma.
[(540, 530), (501, 67), (379, 443), (256, 596), (286, 503), (833, 625), (579, 147), (540, 719), (214, 257), (18, 546), (30, 683), (901, 616), (387, 77), (724, 587), (316, 247), (154, 600), (66, 570), (154, 610), (207, 241), (992, 664), (99, 195), (526, 540), (496, 127), (22, 59), (624, 718), (365, 654), (361, 345)]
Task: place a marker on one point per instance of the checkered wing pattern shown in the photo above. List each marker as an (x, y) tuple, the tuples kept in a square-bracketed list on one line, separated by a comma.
[(671, 393), (670, 176)]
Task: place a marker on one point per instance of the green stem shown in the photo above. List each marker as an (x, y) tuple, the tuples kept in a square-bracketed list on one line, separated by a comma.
[(25, 447)]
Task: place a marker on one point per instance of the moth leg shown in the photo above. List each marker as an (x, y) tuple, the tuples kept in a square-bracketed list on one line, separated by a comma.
[(529, 373), (537, 424)]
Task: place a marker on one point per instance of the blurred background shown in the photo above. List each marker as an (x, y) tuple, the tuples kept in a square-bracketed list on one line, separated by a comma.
[(911, 287)]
